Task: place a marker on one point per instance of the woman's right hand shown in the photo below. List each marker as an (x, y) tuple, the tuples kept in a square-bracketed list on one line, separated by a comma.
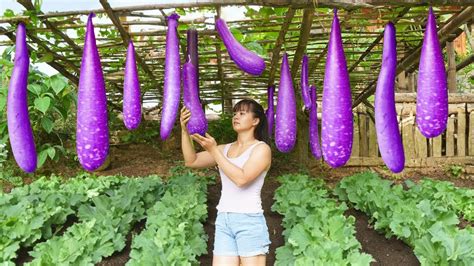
[(184, 118)]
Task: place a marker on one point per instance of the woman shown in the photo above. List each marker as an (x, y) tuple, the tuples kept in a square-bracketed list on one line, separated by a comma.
[(241, 231)]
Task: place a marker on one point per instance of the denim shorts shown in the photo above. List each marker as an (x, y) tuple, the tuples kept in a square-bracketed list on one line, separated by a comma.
[(241, 234)]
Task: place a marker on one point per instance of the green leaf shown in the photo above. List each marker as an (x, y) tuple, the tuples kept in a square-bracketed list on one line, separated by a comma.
[(42, 157), (57, 83), (3, 102), (42, 104), (35, 88), (256, 47), (47, 124), (8, 13), (46, 58), (51, 152), (237, 34)]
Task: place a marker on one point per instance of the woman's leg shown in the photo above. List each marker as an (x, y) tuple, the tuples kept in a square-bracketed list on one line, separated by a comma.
[(225, 247), (225, 261), (253, 261)]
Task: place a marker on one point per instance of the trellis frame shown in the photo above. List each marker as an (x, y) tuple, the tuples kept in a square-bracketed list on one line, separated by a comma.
[(225, 74)]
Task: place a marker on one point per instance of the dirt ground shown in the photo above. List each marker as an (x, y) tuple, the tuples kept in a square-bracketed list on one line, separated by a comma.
[(145, 159)]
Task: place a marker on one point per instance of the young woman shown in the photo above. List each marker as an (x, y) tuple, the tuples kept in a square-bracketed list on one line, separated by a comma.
[(241, 231)]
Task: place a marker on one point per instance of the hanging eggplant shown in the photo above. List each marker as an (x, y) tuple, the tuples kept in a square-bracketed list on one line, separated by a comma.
[(285, 126), (132, 107), (386, 124), (337, 123), (313, 125), (432, 91), (92, 132), (246, 60), (270, 113), (305, 83), (18, 120), (197, 122), (172, 83)]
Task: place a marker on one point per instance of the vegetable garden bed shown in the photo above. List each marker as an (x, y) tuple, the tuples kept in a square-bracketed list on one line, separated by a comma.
[(384, 251)]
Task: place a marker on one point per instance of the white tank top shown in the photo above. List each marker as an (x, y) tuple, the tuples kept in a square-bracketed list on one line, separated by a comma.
[(245, 199)]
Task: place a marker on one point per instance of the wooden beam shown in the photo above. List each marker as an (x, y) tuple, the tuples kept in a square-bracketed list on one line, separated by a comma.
[(125, 37), (30, 7), (377, 40), (314, 64), (452, 98), (53, 64), (279, 42), (303, 40), (465, 63), (451, 67), (220, 73), (348, 4), (443, 34)]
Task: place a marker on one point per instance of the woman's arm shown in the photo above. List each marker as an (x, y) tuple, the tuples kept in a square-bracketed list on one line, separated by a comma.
[(191, 159), (259, 161)]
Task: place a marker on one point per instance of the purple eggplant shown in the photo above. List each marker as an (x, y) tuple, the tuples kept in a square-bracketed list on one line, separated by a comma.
[(198, 122), (270, 112), (337, 121), (246, 60), (313, 125), (192, 48), (432, 98), (305, 83), (132, 107), (92, 132), (18, 120), (386, 125), (285, 126), (172, 84)]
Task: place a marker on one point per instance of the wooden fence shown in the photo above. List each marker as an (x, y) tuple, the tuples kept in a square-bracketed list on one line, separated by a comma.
[(454, 146)]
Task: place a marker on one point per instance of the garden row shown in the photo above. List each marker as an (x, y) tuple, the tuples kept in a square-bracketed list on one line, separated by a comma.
[(424, 215), (106, 209), (427, 216)]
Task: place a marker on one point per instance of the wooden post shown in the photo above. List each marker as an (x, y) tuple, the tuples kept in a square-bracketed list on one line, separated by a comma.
[(355, 143), (450, 136), (470, 110), (411, 83), (402, 82), (437, 142), (373, 147), (408, 125), (420, 144), (451, 67), (461, 141), (364, 143)]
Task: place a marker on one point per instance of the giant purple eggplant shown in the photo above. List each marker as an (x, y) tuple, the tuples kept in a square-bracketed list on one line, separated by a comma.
[(313, 125), (132, 107), (246, 60), (92, 132), (337, 123), (172, 83), (270, 112), (432, 98), (285, 126), (18, 120), (305, 83), (386, 125), (192, 48), (197, 122)]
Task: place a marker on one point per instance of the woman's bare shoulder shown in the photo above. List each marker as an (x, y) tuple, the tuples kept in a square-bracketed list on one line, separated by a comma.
[(263, 147)]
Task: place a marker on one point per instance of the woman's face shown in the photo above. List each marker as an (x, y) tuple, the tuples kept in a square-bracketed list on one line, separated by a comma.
[(243, 120)]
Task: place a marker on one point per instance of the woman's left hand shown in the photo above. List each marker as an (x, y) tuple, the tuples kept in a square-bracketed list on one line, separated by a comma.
[(207, 142)]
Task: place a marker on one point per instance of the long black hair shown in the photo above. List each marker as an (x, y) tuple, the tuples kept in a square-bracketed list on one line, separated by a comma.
[(261, 131)]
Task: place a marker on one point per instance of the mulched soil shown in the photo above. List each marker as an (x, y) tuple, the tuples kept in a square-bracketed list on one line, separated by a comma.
[(146, 159)]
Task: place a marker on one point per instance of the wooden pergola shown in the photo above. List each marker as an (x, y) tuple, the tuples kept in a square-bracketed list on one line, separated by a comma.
[(302, 28)]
